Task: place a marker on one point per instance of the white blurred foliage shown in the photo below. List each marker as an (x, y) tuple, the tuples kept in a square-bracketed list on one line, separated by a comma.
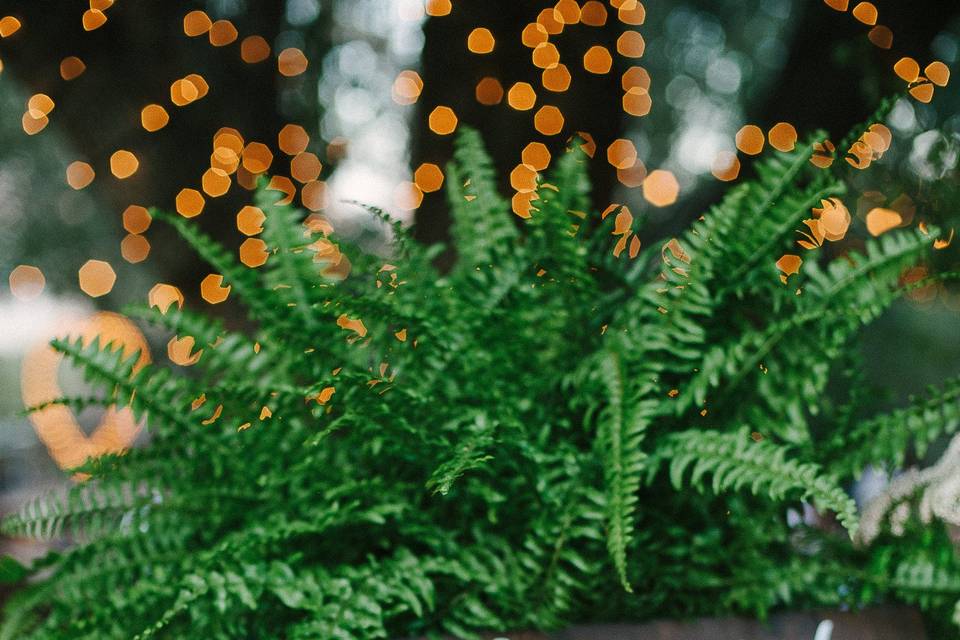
[(376, 39)]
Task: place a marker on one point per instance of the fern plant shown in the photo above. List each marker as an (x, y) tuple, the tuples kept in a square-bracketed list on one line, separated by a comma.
[(545, 434)]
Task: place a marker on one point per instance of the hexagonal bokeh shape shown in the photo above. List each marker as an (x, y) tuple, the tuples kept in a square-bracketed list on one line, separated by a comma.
[(212, 289), (96, 278), (253, 252), (250, 220), (190, 203)]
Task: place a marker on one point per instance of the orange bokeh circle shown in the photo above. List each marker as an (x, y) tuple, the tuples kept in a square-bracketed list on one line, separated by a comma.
[(56, 425)]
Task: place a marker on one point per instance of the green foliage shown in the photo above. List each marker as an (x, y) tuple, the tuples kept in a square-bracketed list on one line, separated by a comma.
[(735, 461), (545, 434)]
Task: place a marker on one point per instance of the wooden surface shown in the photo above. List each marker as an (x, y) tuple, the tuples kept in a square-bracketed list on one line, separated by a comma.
[(885, 623)]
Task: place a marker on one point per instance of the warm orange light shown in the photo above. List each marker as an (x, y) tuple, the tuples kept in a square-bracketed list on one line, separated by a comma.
[(637, 102), (622, 153), (632, 176), (79, 174), (630, 44), (407, 196), (313, 195), (257, 157), (254, 49), (789, 264), (635, 77), (215, 182), (632, 13), (521, 96), (285, 186), (481, 40), (183, 92), (822, 156), (522, 203), (199, 83), (293, 139), (661, 188), (597, 60), (726, 166), (32, 126), (163, 296), (253, 252), (750, 139), (154, 117), (93, 19), (9, 26), (96, 278), (250, 220), (443, 121), (190, 203), (222, 33), (536, 156), (548, 120), (922, 91), (866, 13), (134, 248), (588, 144), (546, 56), (56, 425), (438, 8), (428, 177), (533, 35), (291, 62), (938, 73), (39, 105), (593, 14), (881, 220), (907, 69), (212, 289), (881, 37), (489, 91), (567, 12), (136, 219), (123, 164), (523, 178), (196, 23), (180, 351), (407, 87), (556, 79), (26, 282), (305, 167), (549, 20), (782, 136), (71, 67)]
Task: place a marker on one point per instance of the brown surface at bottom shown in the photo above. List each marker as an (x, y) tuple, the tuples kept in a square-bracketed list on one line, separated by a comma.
[(882, 623)]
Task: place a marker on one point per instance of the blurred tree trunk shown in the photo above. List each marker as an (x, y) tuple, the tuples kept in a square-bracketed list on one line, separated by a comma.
[(835, 77), (450, 74)]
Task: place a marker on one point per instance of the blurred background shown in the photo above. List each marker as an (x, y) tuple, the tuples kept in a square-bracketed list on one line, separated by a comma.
[(362, 79)]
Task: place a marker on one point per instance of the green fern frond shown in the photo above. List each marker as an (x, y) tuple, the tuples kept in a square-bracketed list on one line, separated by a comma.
[(886, 439), (151, 391), (87, 511), (245, 282), (482, 452), (470, 452), (482, 229), (922, 581), (620, 433), (290, 271), (735, 461)]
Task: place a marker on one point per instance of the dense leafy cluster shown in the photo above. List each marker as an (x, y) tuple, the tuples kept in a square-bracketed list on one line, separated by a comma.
[(544, 434)]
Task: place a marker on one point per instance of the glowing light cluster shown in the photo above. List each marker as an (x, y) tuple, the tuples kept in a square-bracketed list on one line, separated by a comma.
[(56, 425)]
